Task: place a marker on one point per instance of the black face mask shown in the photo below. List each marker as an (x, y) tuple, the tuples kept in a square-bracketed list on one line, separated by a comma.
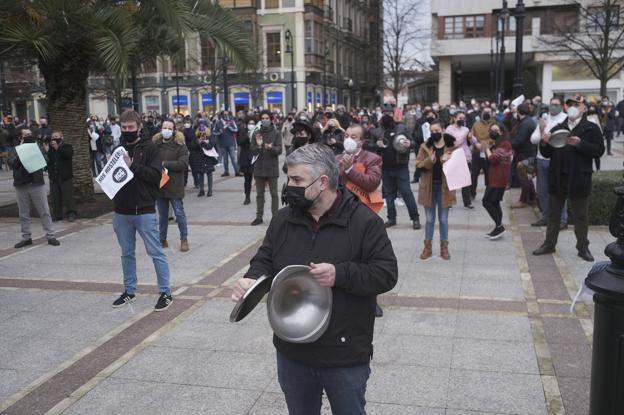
[(387, 121), (295, 195), (300, 141), (129, 137), (495, 136), (486, 116), (461, 123), (435, 137), (430, 119)]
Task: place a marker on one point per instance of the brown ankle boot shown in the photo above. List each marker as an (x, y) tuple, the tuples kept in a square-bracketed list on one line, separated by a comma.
[(184, 245), (444, 252), (427, 251)]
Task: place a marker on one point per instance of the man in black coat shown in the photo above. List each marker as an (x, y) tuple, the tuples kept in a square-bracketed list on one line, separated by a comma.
[(525, 153), (60, 173), (347, 248), (570, 175)]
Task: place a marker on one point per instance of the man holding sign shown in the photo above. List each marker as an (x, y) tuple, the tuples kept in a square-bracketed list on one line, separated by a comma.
[(27, 162), (135, 208)]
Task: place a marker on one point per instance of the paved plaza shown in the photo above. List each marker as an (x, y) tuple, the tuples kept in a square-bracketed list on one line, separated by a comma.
[(488, 332)]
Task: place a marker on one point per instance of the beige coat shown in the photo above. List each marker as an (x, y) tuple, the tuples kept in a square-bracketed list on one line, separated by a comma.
[(425, 184)]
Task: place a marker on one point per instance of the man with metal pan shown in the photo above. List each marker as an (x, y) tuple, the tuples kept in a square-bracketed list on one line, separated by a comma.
[(347, 248)]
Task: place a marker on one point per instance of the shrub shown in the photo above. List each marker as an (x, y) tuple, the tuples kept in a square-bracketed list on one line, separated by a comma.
[(602, 199)]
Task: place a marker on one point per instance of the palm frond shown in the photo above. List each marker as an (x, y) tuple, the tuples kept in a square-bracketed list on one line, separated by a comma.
[(116, 40), (224, 30), (23, 34)]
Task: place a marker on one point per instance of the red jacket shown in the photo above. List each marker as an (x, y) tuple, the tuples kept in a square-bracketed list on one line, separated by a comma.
[(370, 178), (499, 164)]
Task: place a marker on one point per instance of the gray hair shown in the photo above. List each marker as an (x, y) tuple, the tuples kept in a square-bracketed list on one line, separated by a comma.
[(319, 160)]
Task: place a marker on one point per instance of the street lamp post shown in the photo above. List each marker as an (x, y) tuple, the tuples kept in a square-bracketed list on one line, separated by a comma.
[(518, 85), (226, 89), (501, 80), (460, 85), (177, 89), (290, 50), (324, 102)]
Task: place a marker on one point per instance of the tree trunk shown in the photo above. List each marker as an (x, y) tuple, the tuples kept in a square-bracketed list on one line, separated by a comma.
[(69, 118), (603, 86)]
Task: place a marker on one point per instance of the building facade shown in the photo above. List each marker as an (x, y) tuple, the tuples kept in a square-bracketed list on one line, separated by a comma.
[(308, 53), (464, 44)]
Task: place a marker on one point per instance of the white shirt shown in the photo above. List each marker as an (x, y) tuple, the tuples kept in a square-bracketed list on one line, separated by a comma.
[(116, 133), (551, 122)]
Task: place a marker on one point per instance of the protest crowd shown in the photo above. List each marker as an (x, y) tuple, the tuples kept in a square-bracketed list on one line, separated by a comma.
[(358, 160)]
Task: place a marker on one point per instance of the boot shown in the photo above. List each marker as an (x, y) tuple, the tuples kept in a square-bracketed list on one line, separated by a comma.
[(247, 200), (444, 252), (184, 245), (427, 251)]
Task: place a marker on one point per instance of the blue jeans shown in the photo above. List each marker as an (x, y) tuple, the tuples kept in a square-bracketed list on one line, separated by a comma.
[(231, 151), (393, 180), (163, 217), (303, 386), (542, 191), (436, 203), (126, 227)]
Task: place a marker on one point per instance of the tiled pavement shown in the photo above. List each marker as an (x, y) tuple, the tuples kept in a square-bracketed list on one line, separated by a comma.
[(488, 332)]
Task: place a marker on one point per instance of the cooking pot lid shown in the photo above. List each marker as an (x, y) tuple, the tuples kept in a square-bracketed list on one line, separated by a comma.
[(251, 298)]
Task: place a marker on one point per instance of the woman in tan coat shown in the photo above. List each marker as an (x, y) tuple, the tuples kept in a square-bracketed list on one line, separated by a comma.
[(433, 192)]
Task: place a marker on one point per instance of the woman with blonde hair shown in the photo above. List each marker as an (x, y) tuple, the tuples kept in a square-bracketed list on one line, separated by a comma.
[(433, 192)]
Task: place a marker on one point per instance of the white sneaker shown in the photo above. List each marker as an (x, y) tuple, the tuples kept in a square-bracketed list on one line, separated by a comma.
[(400, 202)]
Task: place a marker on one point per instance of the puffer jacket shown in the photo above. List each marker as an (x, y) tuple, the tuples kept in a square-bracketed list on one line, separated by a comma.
[(355, 241)]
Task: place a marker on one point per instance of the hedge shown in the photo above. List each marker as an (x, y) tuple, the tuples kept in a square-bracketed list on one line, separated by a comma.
[(602, 199)]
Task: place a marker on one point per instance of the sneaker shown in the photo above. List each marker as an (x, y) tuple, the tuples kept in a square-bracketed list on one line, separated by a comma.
[(23, 243), (489, 234), (469, 207), (164, 301), (123, 299), (399, 202), (256, 222), (209, 194), (416, 224), (201, 193), (53, 242), (497, 233)]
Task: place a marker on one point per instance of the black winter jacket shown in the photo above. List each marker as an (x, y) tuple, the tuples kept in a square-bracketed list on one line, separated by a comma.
[(138, 197), (570, 169), (355, 241), (388, 153), (60, 163), (21, 177), (521, 141)]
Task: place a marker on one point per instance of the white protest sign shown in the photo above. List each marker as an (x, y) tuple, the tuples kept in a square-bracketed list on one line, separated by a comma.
[(116, 174), (426, 131), (456, 170)]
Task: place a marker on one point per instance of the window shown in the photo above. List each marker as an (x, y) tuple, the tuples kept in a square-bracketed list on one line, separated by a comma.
[(601, 19), (273, 49), (207, 54), (288, 3), (460, 27), (271, 4)]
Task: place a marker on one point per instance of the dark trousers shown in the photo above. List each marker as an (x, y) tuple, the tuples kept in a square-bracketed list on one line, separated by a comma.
[(247, 184), (303, 387), (466, 192), (580, 212), (261, 183), (491, 202), (478, 164), (62, 196), (200, 179), (527, 194), (608, 137), (393, 181)]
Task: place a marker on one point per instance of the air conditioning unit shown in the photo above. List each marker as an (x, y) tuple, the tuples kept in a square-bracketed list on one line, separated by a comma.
[(274, 76)]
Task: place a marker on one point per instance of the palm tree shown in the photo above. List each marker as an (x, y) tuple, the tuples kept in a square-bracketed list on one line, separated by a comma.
[(68, 40)]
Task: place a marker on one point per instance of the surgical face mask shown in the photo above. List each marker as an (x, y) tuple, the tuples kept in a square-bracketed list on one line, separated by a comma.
[(251, 127), (187, 125), (265, 123), (167, 133), (573, 113), (554, 109), (350, 145), (295, 195)]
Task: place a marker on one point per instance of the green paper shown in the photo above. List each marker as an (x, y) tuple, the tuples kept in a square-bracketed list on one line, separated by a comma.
[(31, 157)]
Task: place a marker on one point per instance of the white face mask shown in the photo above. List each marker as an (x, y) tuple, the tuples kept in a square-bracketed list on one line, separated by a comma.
[(167, 133), (187, 125), (573, 113), (251, 127), (350, 145)]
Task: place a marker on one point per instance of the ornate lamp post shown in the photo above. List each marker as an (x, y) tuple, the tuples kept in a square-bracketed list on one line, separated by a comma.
[(290, 50), (607, 375), (518, 85), (325, 55), (504, 15)]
